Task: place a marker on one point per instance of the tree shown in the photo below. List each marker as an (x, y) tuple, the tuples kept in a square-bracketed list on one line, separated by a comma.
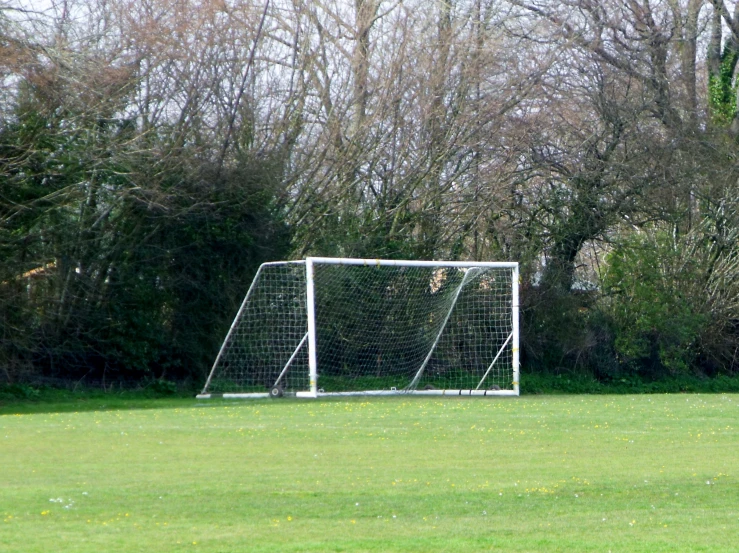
[(119, 225)]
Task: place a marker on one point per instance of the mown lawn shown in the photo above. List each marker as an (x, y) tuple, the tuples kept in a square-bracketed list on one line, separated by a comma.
[(537, 473)]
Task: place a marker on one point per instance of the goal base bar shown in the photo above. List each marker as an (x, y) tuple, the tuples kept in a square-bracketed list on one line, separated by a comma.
[(477, 393), (418, 393), (256, 395)]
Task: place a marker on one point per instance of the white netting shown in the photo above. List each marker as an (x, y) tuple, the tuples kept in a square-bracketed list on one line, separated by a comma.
[(384, 327), (267, 331), (377, 327)]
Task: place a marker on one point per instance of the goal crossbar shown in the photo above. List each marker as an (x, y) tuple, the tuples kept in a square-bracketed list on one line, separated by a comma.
[(409, 263)]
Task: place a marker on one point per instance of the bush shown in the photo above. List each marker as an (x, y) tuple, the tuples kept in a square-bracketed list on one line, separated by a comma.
[(653, 294), (162, 387), (566, 332), (19, 391)]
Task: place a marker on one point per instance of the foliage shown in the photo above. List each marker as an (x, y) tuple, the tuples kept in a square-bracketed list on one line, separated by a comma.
[(653, 286), (19, 391), (112, 271), (163, 387), (152, 154), (578, 382), (722, 90)]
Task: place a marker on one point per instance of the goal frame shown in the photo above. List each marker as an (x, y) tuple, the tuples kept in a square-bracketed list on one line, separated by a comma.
[(310, 337)]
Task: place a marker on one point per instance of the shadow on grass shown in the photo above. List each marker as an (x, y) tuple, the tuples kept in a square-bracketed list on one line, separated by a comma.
[(20, 399)]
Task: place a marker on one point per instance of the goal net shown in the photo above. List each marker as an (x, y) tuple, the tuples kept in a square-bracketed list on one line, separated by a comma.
[(333, 326)]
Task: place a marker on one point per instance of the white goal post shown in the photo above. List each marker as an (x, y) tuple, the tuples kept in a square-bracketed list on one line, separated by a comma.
[(340, 326)]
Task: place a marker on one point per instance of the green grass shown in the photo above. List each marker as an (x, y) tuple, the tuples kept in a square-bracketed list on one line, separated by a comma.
[(538, 473)]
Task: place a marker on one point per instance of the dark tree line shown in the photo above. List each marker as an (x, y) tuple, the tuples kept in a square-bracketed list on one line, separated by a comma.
[(154, 153)]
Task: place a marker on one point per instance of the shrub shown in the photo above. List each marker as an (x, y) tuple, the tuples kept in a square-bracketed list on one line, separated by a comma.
[(653, 292)]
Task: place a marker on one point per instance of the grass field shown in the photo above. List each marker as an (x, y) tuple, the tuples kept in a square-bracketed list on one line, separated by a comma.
[(537, 473)]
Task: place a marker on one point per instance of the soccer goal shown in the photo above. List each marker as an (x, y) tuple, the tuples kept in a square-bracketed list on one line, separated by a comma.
[(336, 326)]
